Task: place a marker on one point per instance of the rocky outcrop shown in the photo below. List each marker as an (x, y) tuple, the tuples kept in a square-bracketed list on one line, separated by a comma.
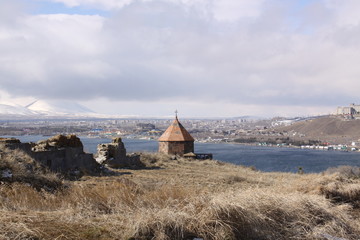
[(114, 155)]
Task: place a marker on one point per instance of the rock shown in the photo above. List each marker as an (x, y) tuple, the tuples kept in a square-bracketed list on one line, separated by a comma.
[(117, 140), (114, 155), (101, 159), (6, 173)]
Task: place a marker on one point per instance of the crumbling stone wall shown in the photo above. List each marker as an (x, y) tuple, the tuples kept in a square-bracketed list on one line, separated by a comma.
[(65, 154), (114, 155), (13, 143), (58, 142), (59, 153)]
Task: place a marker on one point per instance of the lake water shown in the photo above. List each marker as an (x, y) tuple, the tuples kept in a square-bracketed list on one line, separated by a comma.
[(266, 159)]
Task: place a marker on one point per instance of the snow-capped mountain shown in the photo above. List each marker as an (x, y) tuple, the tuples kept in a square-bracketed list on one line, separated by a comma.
[(6, 109), (45, 109), (55, 108)]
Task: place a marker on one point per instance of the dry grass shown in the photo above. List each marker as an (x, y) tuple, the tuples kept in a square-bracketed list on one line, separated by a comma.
[(182, 199), (345, 171), (25, 169), (343, 193)]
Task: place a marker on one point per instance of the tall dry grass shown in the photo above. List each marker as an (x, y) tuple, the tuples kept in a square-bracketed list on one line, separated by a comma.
[(119, 210), (345, 171), (182, 200)]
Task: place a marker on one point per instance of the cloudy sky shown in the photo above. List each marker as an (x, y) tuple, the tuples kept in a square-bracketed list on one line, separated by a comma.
[(205, 58)]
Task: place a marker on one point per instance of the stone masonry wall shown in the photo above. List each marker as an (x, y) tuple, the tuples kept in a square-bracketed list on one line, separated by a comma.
[(114, 155), (176, 148)]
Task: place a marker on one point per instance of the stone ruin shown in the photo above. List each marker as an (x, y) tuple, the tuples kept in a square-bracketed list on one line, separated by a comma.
[(59, 153), (66, 154), (59, 141), (114, 155)]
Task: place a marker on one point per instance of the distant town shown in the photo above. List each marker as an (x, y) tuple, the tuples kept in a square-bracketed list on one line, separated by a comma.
[(203, 130), (306, 132)]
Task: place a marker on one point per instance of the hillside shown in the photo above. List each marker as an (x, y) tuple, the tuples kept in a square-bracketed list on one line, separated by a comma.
[(187, 199), (331, 129)]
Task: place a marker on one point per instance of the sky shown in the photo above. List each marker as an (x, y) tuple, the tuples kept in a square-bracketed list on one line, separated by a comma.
[(205, 58)]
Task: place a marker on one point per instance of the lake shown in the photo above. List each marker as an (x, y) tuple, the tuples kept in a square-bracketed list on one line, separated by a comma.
[(266, 159)]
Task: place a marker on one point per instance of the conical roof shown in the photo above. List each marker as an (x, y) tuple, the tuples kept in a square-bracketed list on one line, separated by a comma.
[(176, 133)]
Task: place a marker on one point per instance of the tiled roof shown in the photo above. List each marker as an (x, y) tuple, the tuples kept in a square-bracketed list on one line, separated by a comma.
[(176, 133)]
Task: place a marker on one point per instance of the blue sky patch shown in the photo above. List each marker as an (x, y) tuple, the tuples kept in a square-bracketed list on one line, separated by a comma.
[(45, 7)]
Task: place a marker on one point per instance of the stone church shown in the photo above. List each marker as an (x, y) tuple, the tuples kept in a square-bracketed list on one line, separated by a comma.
[(176, 140)]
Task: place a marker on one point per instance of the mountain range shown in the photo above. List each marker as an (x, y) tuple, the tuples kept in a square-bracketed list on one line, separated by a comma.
[(46, 109)]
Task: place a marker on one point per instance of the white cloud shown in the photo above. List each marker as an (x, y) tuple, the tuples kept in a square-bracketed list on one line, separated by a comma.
[(232, 10), (47, 45), (224, 10), (346, 12), (235, 55), (102, 4), (13, 100), (204, 109)]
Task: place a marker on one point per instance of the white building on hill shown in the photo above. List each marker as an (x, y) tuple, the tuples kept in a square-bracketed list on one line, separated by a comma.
[(351, 112)]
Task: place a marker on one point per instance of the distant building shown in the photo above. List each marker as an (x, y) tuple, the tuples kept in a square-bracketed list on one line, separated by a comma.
[(351, 112), (176, 140), (356, 108), (145, 126)]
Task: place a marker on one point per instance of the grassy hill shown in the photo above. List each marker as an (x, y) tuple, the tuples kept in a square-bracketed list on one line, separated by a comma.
[(327, 129), (186, 199)]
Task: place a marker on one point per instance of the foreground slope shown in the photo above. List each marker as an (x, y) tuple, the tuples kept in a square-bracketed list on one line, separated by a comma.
[(186, 199)]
